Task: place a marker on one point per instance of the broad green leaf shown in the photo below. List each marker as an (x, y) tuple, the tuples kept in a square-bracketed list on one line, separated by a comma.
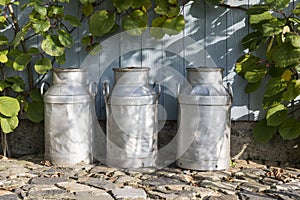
[(262, 132), (3, 56), (276, 115), (252, 40), (141, 3), (17, 84), (287, 75), (101, 23), (246, 63), (43, 65), (272, 101), (18, 38), (3, 40), (33, 51), (122, 5), (275, 86), (292, 91), (56, 11), (293, 39), (65, 38), (8, 124), (289, 129), (272, 28), (3, 85), (175, 25), (260, 18), (61, 59), (35, 95), (40, 9), (21, 62), (173, 1), (74, 21), (40, 26), (94, 49), (257, 9), (87, 1), (214, 2), (285, 55), (156, 27), (251, 87), (255, 75), (87, 40), (296, 11), (52, 46), (278, 4), (35, 111), (4, 2), (9, 106), (135, 23), (63, 1), (162, 7), (275, 71), (87, 9)]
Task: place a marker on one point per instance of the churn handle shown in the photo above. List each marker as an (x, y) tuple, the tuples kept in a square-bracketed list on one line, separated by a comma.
[(105, 90), (229, 89), (156, 83), (42, 87), (91, 84)]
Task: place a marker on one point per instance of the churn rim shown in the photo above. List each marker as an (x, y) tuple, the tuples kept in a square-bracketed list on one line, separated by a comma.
[(205, 69), (129, 69), (68, 70)]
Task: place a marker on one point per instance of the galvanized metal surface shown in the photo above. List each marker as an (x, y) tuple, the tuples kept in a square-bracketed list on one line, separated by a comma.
[(204, 115), (132, 123), (69, 119)]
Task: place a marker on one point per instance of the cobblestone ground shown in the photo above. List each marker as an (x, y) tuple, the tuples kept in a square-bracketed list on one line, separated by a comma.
[(31, 178)]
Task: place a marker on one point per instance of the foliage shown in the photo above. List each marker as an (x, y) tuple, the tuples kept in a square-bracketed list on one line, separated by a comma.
[(278, 35)]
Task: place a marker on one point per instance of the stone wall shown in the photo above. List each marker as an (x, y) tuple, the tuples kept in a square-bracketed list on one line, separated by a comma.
[(28, 139)]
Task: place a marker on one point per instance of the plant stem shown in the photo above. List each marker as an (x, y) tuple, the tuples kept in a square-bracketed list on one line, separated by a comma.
[(4, 143)]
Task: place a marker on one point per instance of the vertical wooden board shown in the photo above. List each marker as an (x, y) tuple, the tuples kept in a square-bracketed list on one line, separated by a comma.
[(236, 29)]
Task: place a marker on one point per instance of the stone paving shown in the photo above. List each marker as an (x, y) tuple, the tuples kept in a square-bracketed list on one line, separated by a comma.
[(32, 178)]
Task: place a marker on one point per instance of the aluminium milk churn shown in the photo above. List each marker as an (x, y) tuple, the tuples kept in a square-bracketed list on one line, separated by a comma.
[(204, 115), (132, 122), (68, 118)]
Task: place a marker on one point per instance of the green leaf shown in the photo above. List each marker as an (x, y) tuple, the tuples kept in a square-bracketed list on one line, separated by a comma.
[(141, 3), (175, 25), (4, 2), (135, 23), (9, 106), (40, 9), (33, 51), (43, 65), (61, 59), (3, 56), (35, 111), (122, 5), (296, 11), (87, 40), (17, 83), (289, 129), (262, 132), (40, 26), (276, 115), (251, 87), (87, 1), (156, 27), (214, 2), (8, 125), (87, 9), (63, 1), (255, 75), (21, 62), (272, 28), (56, 11), (252, 40), (257, 9), (74, 21), (35, 95), (3, 85), (174, 2), (256, 20), (18, 38), (52, 46), (275, 86), (162, 7), (3, 40), (246, 63), (65, 38), (293, 90), (285, 55), (293, 39), (101, 23), (272, 101), (278, 4)]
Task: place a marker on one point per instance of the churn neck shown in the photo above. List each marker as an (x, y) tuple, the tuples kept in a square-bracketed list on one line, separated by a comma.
[(69, 76), (205, 75), (131, 75)]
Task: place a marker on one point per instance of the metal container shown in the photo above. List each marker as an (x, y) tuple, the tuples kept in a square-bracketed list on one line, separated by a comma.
[(132, 122), (68, 118), (204, 114)]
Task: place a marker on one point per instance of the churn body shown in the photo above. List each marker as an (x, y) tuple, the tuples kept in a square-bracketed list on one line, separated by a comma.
[(204, 115), (131, 109), (68, 118)]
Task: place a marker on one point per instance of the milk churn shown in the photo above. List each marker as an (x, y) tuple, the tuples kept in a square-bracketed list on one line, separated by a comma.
[(204, 114), (68, 118), (132, 122)]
